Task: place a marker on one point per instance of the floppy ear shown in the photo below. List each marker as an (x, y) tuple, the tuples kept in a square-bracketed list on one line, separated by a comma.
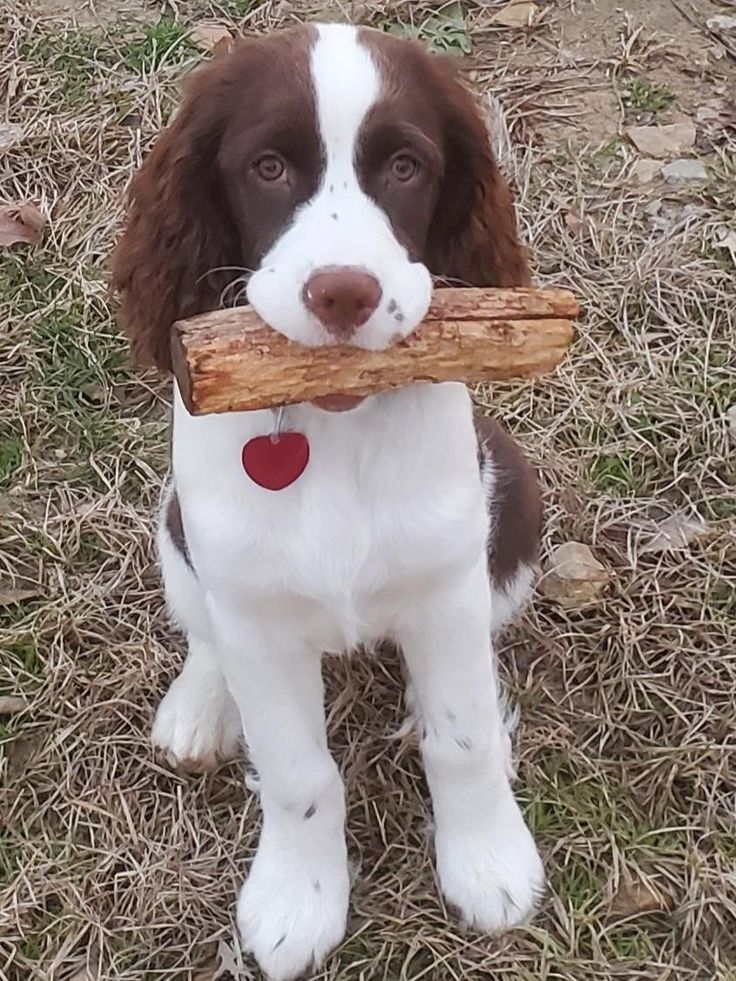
[(473, 238), (178, 227)]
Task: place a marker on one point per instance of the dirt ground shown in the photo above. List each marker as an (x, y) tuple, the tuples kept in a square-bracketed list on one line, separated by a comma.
[(113, 867)]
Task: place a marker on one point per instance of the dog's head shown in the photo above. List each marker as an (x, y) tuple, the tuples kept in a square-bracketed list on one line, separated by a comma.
[(326, 174)]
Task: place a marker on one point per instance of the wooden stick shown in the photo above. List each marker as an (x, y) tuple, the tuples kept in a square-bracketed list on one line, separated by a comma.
[(230, 361)]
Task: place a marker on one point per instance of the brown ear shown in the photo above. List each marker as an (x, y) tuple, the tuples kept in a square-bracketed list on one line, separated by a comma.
[(473, 239), (178, 227)]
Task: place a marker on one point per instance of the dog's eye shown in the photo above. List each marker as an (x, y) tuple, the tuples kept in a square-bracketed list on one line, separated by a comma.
[(404, 167), (269, 167)]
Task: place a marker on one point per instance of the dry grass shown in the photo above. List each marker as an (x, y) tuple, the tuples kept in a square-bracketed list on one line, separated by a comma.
[(112, 867)]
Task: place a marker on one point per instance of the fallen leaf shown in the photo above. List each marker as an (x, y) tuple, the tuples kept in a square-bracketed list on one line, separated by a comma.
[(726, 239), (20, 223), (10, 135), (12, 704), (517, 13), (633, 898), (684, 169), (672, 534), (731, 419), (228, 962), (573, 576), (10, 596), (211, 37), (662, 141), (646, 169)]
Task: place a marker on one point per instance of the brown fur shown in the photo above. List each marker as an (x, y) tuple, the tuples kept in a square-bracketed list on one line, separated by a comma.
[(516, 518), (181, 229)]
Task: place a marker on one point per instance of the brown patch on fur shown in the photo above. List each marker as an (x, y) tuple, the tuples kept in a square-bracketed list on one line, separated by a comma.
[(467, 224), (516, 502), (175, 528), (197, 213)]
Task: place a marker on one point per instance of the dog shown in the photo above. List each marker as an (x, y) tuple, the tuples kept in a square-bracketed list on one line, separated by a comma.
[(330, 175)]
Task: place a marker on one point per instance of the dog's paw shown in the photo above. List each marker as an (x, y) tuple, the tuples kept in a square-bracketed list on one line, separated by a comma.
[(290, 917), (196, 726), (494, 876)]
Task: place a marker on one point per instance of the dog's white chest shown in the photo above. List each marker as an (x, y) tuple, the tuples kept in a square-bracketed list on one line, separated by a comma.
[(391, 498)]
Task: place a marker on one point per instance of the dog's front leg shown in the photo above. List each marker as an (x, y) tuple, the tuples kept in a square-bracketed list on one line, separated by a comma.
[(487, 863), (293, 907)]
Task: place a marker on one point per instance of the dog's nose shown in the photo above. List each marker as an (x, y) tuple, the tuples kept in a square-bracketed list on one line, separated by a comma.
[(342, 298)]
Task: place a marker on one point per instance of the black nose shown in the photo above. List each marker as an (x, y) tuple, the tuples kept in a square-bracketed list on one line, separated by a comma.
[(342, 298)]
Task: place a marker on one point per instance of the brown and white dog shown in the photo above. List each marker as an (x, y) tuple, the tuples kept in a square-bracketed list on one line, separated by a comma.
[(329, 174)]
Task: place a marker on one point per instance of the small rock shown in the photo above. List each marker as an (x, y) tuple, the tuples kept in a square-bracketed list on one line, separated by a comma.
[(684, 169), (10, 135), (516, 13), (722, 22), (12, 704), (573, 576), (646, 169), (662, 141)]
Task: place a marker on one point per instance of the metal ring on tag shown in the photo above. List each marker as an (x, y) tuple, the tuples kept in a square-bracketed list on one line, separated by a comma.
[(278, 421)]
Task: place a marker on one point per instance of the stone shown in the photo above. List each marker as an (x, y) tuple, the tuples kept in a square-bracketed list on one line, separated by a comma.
[(573, 576), (646, 169), (684, 169), (663, 142)]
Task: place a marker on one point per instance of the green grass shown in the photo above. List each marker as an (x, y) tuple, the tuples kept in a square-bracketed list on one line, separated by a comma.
[(722, 600), (165, 41), (630, 943), (75, 56), (624, 473), (21, 655), (444, 31), (11, 458), (642, 96), (25, 283), (74, 367), (578, 884)]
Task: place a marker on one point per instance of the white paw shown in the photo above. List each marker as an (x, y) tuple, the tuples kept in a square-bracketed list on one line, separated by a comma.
[(293, 911), (494, 875), (197, 724)]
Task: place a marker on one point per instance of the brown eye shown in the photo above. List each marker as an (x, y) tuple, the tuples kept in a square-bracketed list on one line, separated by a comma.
[(404, 167), (269, 167)]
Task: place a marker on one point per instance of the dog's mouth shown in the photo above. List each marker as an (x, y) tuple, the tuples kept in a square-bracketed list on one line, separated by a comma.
[(337, 403)]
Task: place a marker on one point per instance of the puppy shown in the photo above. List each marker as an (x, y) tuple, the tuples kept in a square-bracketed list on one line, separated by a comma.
[(328, 175)]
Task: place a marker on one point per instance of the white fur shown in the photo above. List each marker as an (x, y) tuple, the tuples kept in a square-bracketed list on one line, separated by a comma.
[(383, 536)]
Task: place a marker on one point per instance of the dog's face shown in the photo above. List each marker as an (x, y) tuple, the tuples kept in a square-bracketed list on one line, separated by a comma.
[(346, 181), (334, 171)]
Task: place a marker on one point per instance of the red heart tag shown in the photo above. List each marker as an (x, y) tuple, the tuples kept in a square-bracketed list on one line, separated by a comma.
[(274, 462)]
